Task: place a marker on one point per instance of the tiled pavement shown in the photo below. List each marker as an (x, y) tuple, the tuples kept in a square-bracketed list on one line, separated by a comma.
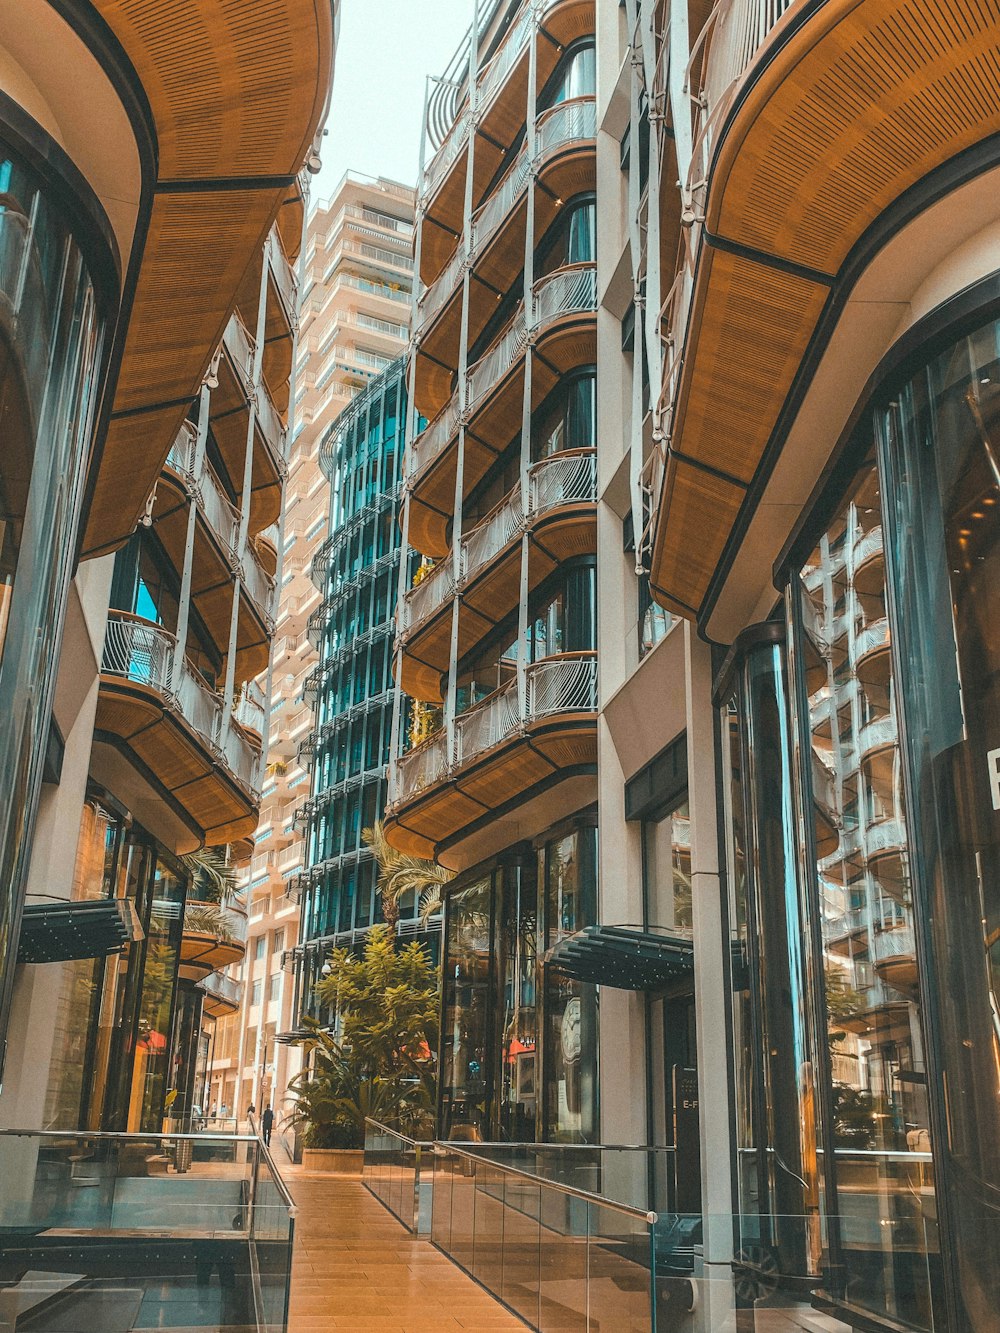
[(357, 1270)]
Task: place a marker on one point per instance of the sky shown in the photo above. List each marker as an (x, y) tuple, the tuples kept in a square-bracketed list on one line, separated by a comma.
[(385, 52)]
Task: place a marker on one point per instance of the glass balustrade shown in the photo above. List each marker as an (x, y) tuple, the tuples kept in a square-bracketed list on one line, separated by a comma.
[(399, 1172), (145, 1231)]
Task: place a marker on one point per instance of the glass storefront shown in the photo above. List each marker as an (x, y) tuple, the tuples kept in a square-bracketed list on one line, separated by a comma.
[(111, 1065), (51, 335), (939, 443), (863, 816), (518, 1040)]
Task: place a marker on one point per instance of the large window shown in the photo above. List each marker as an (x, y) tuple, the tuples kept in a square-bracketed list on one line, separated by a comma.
[(466, 1054), (879, 1130), (51, 333), (939, 439)]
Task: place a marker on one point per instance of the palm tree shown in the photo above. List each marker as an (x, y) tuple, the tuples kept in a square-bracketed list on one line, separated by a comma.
[(213, 879), (399, 873)]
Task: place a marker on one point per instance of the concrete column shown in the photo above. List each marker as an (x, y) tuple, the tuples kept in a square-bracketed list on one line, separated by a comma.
[(710, 993)]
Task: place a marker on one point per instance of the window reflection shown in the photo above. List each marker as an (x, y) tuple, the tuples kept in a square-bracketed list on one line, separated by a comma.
[(880, 1131), (465, 1091), (940, 442)]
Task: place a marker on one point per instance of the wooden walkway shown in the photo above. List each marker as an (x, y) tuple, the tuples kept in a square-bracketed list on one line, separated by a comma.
[(355, 1269)]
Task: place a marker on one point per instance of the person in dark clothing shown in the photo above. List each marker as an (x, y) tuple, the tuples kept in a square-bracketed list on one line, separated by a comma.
[(266, 1124)]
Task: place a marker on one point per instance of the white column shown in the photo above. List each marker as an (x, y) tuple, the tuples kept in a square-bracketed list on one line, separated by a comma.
[(710, 988)]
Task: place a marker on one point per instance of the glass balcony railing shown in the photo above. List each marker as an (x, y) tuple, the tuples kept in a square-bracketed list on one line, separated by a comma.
[(399, 1171), (145, 1230)]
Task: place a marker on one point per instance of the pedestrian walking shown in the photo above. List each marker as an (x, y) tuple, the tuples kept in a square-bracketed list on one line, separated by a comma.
[(266, 1124)]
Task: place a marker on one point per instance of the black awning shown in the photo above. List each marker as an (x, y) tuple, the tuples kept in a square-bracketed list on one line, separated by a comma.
[(624, 957), (58, 932)]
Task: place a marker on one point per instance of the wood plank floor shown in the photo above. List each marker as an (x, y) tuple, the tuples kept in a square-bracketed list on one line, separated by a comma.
[(356, 1270)]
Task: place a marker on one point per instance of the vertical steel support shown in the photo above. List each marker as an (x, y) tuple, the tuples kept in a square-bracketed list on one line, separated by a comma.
[(187, 573), (531, 111), (463, 393), (412, 418)]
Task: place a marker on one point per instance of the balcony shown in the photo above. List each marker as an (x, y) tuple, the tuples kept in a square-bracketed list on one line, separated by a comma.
[(561, 518), (872, 659), (793, 190), (564, 165), (560, 324), (502, 755), (869, 564), (214, 937), (214, 555), (501, 104), (223, 995), (894, 957), (154, 706)]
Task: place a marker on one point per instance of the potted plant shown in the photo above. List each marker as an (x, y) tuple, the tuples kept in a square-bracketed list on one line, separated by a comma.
[(379, 1064)]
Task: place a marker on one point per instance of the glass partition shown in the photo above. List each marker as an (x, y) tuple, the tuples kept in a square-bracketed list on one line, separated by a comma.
[(399, 1171), (877, 1109), (940, 453), (168, 1231), (51, 334), (561, 1258)]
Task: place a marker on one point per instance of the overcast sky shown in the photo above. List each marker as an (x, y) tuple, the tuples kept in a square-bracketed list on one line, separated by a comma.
[(385, 52)]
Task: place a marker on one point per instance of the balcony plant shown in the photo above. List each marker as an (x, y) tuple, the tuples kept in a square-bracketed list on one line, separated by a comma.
[(378, 1062), (400, 875), (213, 886)]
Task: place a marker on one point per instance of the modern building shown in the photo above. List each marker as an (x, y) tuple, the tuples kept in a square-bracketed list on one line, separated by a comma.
[(150, 213), (733, 894), (354, 308), (358, 571)]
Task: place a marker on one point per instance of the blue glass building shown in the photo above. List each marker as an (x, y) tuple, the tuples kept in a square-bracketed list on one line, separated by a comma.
[(351, 688)]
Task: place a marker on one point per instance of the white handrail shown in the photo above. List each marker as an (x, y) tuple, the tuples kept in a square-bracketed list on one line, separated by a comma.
[(565, 478), (566, 291), (495, 363), (564, 684)]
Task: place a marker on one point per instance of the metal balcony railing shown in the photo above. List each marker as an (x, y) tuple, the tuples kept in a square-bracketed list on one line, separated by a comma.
[(250, 709), (896, 942), (144, 653), (567, 291), (239, 345), (487, 724), (486, 221), (565, 123), (494, 364), (274, 433), (456, 140), (433, 438), (492, 78), (259, 584), (565, 478), (432, 591), (419, 768), (867, 545), (441, 288), (566, 683), (219, 986), (226, 921), (284, 277), (872, 639), (488, 538)]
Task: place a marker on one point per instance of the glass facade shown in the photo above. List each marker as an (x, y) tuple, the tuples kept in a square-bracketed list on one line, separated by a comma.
[(862, 798), (518, 1039), (115, 1056), (51, 336), (353, 708)]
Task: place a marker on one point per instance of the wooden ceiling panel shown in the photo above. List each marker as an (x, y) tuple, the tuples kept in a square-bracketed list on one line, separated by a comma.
[(237, 86), (845, 108)]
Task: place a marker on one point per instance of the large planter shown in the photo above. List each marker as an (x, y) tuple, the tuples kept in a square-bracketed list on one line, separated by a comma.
[(334, 1161)]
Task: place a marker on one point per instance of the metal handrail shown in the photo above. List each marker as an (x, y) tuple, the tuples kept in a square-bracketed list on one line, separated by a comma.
[(397, 1133), (131, 1136), (265, 1151), (443, 1148)]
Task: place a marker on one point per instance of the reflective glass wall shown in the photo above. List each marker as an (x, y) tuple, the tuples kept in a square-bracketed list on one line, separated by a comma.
[(939, 445), (51, 333), (518, 1039), (114, 1062), (863, 825)]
